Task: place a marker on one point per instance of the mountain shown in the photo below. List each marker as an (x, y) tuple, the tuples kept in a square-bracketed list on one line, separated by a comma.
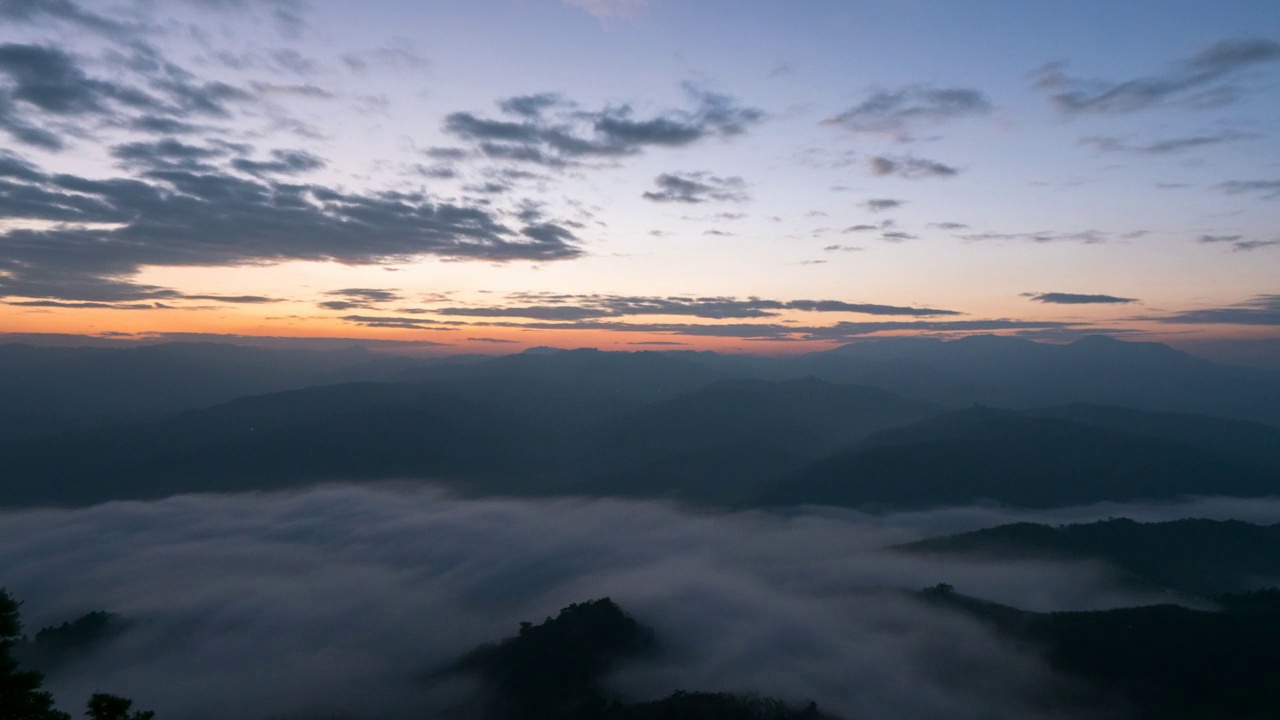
[(1200, 557), (1162, 662), (523, 435), (719, 443), (1019, 373), (643, 376), (343, 432), (1025, 460), (556, 671), (47, 390)]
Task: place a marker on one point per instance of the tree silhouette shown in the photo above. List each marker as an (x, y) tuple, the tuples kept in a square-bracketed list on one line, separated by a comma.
[(20, 695), (110, 707)]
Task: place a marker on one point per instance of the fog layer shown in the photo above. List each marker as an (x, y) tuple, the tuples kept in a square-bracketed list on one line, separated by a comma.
[(342, 599)]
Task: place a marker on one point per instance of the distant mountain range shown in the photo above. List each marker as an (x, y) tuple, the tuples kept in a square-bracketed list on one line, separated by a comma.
[(867, 425)]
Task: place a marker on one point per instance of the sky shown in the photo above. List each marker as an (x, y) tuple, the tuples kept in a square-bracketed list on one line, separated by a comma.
[(750, 176)]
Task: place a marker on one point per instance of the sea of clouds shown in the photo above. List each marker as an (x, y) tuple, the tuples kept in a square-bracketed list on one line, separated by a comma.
[(343, 600)]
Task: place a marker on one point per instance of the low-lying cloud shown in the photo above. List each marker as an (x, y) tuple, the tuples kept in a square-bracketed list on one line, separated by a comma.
[(342, 599)]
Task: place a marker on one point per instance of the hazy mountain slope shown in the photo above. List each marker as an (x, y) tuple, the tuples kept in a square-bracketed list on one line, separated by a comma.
[(637, 377), (718, 443), (1013, 372), (53, 389), (1201, 557), (981, 454), (1162, 662), (355, 431)]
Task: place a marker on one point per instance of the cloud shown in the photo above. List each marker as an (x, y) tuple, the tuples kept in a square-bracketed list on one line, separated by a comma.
[(367, 294), (571, 135), (389, 58), (900, 113), (583, 307), (46, 96), (949, 226), (358, 298), (167, 153), (896, 236), (88, 236), (1237, 242), (34, 11), (1266, 188), (1261, 310), (608, 9), (1249, 245), (1201, 81), (1088, 237), (327, 601), (1059, 298), (882, 204), (308, 92), (912, 168), (1167, 146), (697, 187), (781, 332)]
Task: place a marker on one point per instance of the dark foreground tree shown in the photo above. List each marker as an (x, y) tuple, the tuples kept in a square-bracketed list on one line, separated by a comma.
[(21, 696), (110, 707)]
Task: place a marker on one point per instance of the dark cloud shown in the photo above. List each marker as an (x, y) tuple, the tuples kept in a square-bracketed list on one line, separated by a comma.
[(373, 295), (49, 82), (32, 11), (81, 305), (531, 106), (435, 172), (1167, 146), (358, 298), (842, 248), (167, 154), (162, 125), (46, 95), (949, 226), (1266, 188), (697, 187), (1198, 82), (283, 162), (839, 332), (1261, 310), (860, 228), (912, 168), (571, 135), (1059, 298), (98, 232), (882, 204), (582, 307), (445, 153), (901, 112)]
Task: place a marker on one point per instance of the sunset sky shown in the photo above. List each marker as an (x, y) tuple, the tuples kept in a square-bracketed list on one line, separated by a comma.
[(760, 176)]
